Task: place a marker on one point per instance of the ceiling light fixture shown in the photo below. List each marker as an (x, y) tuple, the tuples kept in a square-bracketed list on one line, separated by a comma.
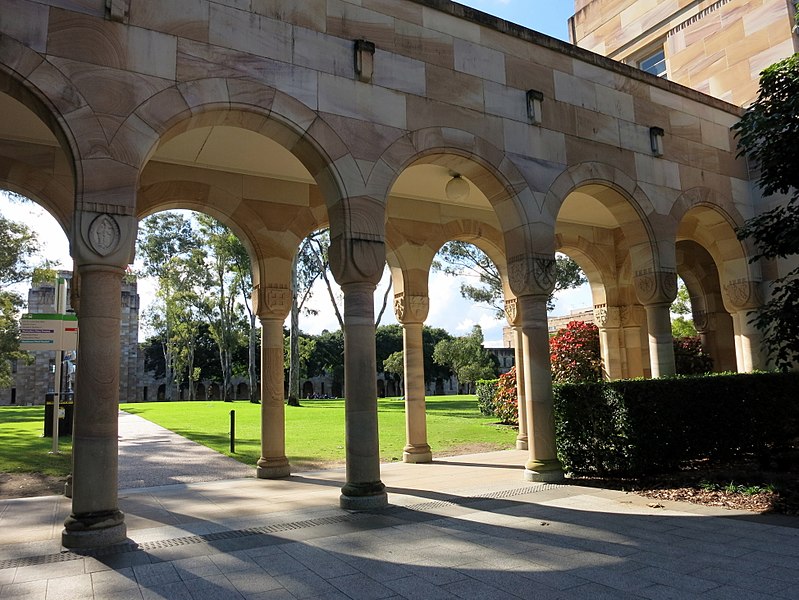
[(457, 189)]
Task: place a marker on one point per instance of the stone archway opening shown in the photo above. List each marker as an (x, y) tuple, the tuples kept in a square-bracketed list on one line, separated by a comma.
[(722, 287), (443, 197), (603, 230), (198, 322), (37, 191)]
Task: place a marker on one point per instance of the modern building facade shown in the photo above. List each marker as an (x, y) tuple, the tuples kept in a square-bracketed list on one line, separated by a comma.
[(718, 47), (400, 125)]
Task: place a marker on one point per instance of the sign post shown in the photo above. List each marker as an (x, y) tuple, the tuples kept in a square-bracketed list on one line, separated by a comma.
[(57, 332)]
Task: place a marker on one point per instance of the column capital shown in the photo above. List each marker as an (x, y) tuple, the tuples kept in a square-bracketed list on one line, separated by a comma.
[(703, 320), (656, 286), (103, 238), (532, 274), (271, 302), (607, 317), (411, 309), (632, 315), (357, 259), (742, 294)]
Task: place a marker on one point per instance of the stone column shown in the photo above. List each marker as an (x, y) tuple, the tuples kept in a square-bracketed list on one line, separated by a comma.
[(411, 311), (657, 290), (608, 320), (716, 333), (631, 320), (272, 306), (514, 320), (102, 246), (357, 265), (532, 278), (742, 297)]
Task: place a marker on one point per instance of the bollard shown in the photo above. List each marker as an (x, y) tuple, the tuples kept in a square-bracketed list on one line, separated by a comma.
[(233, 432)]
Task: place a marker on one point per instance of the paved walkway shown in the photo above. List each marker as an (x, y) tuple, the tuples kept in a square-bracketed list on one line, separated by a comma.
[(151, 456), (462, 527)]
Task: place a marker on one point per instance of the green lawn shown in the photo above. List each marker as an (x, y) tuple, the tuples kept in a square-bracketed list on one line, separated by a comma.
[(22, 447), (314, 431)]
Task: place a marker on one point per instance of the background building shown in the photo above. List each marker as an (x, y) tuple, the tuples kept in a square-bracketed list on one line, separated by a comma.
[(33, 381), (718, 47)]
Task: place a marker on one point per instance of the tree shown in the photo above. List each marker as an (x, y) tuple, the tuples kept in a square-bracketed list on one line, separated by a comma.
[(240, 262), (220, 306), (388, 340), (309, 264), (18, 248), (328, 357), (768, 135), (466, 358), (682, 326), (430, 337), (574, 353), (395, 364), (171, 252), (463, 259)]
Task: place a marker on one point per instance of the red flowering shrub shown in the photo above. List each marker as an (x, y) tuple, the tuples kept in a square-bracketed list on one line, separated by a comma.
[(506, 406), (574, 353), (690, 357)]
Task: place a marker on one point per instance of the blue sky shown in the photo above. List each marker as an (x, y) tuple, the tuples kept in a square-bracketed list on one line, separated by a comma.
[(546, 16)]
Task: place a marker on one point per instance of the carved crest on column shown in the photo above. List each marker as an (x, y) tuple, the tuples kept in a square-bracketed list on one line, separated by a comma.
[(701, 320), (742, 294), (512, 311), (532, 274), (104, 235), (277, 300), (411, 309), (606, 316), (656, 286)]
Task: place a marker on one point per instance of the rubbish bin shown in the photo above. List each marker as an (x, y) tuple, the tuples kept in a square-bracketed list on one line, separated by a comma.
[(65, 407)]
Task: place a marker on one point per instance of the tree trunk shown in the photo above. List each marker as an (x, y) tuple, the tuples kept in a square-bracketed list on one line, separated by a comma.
[(251, 370), (294, 354)]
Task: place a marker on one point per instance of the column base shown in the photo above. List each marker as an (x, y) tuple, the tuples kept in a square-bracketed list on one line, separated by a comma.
[(417, 454), (363, 496), (92, 531), (363, 502), (521, 443), (547, 471), (273, 468), (68, 487)]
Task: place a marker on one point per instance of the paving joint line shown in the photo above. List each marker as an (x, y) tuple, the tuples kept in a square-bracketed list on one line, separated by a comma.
[(128, 547)]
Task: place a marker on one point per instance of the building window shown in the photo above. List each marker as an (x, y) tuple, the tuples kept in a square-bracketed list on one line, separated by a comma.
[(654, 63)]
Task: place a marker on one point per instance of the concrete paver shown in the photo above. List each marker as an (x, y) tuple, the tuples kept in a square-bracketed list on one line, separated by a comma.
[(461, 527)]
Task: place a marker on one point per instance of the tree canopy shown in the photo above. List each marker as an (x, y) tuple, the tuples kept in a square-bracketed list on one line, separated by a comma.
[(768, 135), (466, 357), (18, 249), (467, 260)]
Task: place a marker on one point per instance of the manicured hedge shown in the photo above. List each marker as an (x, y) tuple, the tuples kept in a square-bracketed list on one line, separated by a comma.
[(635, 427)]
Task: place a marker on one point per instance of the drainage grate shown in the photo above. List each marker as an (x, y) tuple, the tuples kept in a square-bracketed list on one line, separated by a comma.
[(472, 500), (263, 530)]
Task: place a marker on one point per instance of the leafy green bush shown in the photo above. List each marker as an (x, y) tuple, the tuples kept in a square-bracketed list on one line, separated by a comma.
[(486, 389), (574, 353), (690, 357), (506, 402), (635, 427)]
